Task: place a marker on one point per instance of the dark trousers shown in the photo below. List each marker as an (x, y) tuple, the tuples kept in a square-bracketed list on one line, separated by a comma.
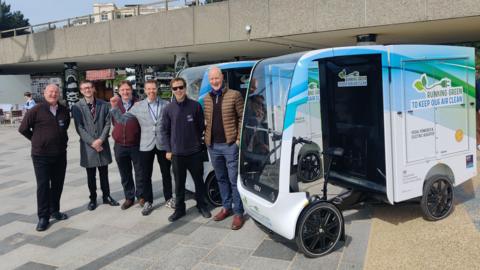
[(194, 164), (125, 157), (50, 174), (148, 158), (92, 181)]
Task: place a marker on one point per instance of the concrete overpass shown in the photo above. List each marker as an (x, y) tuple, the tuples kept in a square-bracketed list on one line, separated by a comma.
[(216, 32)]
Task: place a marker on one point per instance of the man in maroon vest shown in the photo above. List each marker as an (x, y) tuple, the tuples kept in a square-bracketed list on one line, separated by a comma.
[(127, 141)]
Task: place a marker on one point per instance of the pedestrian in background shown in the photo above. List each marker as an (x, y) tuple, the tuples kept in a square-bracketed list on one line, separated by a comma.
[(29, 102)]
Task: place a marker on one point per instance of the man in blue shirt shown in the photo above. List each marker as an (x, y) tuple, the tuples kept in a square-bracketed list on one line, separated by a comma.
[(29, 103)]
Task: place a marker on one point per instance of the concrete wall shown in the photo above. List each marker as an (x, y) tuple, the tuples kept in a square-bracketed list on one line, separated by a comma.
[(12, 88), (225, 22)]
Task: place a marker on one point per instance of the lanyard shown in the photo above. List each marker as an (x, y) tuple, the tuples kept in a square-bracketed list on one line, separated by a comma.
[(154, 115)]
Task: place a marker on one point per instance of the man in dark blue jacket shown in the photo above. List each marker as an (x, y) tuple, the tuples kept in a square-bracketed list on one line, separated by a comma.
[(182, 129)]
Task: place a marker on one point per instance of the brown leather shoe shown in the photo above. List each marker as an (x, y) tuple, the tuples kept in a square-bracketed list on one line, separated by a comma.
[(141, 202), (237, 222), (127, 204), (223, 214)]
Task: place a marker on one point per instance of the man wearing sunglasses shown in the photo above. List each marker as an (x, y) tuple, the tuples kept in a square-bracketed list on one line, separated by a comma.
[(182, 131)]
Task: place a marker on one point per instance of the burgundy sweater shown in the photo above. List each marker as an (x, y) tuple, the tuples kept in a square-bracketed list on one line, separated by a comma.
[(128, 134), (48, 133)]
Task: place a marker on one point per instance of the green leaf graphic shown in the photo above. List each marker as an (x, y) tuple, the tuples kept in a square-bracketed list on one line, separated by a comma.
[(424, 80), (419, 86)]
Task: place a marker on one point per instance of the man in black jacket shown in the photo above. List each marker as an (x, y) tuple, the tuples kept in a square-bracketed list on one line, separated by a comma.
[(46, 126), (183, 125)]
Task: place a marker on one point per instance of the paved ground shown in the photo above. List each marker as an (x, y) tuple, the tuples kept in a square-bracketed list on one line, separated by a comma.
[(378, 237)]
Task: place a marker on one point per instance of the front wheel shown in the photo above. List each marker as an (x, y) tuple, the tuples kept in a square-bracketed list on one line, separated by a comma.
[(437, 199), (319, 229), (213, 191)]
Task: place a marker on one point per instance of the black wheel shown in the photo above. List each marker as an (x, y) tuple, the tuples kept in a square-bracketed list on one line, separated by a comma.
[(212, 190), (309, 167), (437, 199), (319, 229)]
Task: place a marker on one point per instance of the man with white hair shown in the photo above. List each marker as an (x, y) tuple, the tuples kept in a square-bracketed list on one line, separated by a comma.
[(46, 125), (223, 119)]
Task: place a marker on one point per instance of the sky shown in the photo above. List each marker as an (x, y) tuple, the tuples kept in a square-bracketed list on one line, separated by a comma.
[(42, 11)]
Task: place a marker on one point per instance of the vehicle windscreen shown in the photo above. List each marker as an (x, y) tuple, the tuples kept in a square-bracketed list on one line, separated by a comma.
[(263, 125), (193, 76)]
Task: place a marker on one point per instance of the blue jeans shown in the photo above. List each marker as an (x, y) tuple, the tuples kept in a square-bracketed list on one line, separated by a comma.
[(225, 163)]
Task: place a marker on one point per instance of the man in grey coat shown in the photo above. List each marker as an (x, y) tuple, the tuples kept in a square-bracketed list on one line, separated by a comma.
[(92, 122)]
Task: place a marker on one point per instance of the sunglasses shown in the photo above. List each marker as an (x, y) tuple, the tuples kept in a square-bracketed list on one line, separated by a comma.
[(178, 88)]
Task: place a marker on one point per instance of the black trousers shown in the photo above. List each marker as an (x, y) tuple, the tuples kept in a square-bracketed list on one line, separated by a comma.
[(194, 164), (50, 174), (92, 181), (148, 158), (125, 157)]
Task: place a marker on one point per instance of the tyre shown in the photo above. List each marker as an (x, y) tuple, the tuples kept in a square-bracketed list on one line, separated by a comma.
[(309, 167), (437, 199), (319, 229), (212, 190)]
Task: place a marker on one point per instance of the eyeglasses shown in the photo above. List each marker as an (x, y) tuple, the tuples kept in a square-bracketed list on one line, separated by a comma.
[(178, 88)]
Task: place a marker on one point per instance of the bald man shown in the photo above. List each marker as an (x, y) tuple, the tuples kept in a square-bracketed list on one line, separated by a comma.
[(46, 125), (223, 117)]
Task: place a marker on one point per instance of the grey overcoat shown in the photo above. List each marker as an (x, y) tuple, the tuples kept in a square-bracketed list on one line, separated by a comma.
[(90, 129)]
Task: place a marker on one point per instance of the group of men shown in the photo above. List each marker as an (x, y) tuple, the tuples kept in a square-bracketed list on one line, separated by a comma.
[(178, 133)]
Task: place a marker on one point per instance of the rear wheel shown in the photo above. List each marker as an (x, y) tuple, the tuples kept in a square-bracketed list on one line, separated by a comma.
[(309, 167), (437, 199), (319, 229), (213, 192)]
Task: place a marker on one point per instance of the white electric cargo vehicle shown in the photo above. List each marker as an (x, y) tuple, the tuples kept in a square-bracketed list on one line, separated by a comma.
[(392, 123)]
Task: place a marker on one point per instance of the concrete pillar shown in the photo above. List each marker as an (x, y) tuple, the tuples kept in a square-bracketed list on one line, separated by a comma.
[(139, 81), (181, 62), (70, 87)]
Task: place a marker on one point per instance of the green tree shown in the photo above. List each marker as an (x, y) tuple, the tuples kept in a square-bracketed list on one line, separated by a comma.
[(10, 20)]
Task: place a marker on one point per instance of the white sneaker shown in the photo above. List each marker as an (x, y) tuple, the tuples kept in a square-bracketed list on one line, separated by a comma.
[(170, 203), (147, 208)]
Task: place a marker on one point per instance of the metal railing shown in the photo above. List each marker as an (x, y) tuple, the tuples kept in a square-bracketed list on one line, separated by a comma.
[(115, 14)]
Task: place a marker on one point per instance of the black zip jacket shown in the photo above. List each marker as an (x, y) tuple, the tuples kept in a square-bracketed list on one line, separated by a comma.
[(182, 127), (48, 133)]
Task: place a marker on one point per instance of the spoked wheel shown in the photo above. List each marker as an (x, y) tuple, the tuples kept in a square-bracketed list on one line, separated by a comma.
[(213, 192), (437, 199), (309, 167), (319, 229)]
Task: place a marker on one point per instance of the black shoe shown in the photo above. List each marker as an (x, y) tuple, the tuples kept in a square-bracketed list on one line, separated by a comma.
[(109, 200), (92, 205), (42, 224), (59, 216), (205, 212), (176, 215)]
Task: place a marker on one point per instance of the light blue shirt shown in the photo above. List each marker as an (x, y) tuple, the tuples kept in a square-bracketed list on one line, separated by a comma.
[(154, 110), (29, 104)]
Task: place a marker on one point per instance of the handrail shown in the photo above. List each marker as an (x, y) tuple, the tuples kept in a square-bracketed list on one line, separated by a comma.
[(70, 22)]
